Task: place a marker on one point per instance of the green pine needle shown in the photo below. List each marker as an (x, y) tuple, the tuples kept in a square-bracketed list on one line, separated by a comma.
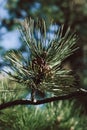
[(42, 71)]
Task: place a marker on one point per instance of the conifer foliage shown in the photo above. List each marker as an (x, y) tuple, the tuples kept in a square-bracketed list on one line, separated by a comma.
[(42, 69)]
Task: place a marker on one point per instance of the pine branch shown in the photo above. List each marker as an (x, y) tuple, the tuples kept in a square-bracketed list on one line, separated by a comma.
[(80, 93)]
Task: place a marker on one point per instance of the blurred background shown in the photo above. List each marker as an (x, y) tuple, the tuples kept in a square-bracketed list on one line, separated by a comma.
[(70, 13)]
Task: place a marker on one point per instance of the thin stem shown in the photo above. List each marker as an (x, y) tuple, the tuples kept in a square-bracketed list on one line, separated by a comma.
[(33, 95), (43, 101)]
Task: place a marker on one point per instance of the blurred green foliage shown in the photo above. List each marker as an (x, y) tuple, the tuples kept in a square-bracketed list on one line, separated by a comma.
[(62, 115), (10, 91)]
